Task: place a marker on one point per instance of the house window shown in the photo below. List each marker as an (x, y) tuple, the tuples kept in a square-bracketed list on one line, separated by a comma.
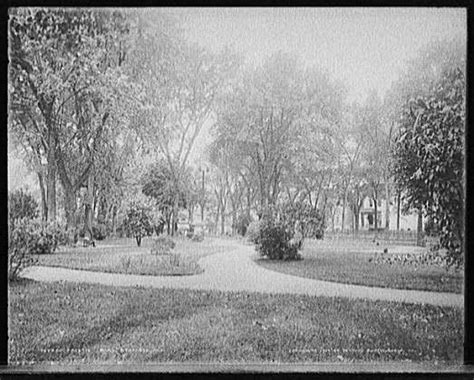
[(370, 203)]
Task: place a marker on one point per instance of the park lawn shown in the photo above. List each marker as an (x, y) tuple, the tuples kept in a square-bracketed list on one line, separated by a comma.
[(124, 256), (348, 262), (70, 323)]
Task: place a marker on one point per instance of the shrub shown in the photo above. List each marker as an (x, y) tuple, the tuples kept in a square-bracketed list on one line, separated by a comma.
[(310, 220), (242, 223), (198, 238), (22, 237), (275, 241), (162, 245), (21, 204), (99, 231), (253, 231), (48, 239)]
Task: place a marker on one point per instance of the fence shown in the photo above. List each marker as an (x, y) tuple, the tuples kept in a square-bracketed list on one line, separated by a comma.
[(392, 236)]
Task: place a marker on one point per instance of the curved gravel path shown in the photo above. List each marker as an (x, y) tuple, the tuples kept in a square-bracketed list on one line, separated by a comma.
[(234, 270)]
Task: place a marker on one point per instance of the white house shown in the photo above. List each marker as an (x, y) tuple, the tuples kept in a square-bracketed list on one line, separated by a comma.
[(367, 217)]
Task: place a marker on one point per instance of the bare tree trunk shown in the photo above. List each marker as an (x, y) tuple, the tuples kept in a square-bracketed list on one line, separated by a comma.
[(387, 206), (343, 216), (223, 221), (419, 230), (114, 219), (376, 219), (70, 208), (356, 220), (51, 191), (175, 214), (88, 214), (398, 210), (44, 204)]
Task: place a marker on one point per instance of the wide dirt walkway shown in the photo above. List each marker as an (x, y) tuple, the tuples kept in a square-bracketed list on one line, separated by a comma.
[(235, 270)]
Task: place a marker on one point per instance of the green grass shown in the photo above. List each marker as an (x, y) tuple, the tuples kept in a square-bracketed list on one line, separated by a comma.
[(348, 262), (71, 323), (124, 256)]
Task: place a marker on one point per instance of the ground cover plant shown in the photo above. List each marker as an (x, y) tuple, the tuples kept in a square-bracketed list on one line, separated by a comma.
[(353, 262), (77, 323), (123, 256)]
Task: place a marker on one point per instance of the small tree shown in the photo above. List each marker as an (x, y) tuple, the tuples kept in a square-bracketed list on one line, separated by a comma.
[(138, 222), (21, 204)]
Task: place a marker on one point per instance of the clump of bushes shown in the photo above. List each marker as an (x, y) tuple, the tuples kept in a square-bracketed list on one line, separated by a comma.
[(22, 238), (27, 238), (310, 220), (162, 245), (253, 231), (99, 231), (199, 237), (275, 241), (21, 204), (241, 224)]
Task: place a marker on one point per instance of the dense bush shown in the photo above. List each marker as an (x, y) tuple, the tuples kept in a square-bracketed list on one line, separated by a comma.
[(242, 223), (162, 245), (309, 219), (253, 231), (21, 204), (275, 241), (99, 231), (22, 237), (49, 236), (138, 222), (198, 237)]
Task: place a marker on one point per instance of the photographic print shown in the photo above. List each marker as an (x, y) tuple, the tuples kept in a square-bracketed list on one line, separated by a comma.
[(236, 186)]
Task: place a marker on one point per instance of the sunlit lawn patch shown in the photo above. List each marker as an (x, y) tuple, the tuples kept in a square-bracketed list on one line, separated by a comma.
[(349, 262), (74, 323), (124, 256)]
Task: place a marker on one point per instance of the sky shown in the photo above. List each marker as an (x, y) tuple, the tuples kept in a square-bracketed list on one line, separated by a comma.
[(365, 48)]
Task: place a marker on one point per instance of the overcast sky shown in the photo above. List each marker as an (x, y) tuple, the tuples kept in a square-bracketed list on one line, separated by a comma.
[(363, 47)]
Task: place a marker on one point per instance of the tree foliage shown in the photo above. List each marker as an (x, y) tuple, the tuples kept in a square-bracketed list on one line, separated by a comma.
[(429, 157)]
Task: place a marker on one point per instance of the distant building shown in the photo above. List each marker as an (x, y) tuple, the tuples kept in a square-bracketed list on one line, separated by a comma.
[(367, 217)]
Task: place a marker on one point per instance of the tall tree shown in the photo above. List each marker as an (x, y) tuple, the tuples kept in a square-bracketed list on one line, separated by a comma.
[(429, 157), (64, 84), (180, 83)]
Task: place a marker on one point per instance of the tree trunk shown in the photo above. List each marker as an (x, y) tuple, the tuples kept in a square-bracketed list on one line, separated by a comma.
[(387, 206), (419, 230), (223, 221), (114, 218), (51, 192), (343, 216), (44, 204), (202, 211), (139, 240), (217, 218), (175, 214), (70, 206), (88, 214), (356, 220), (376, 219), (398, 211)]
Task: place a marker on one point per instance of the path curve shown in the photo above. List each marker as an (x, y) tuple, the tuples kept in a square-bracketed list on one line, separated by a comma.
[(234, 270)]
